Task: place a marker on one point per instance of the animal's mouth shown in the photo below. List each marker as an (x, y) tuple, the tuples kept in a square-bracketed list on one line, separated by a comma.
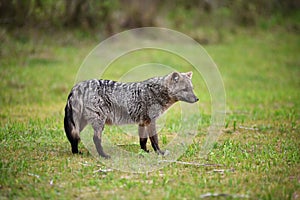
[(192, 100), (195, 100)]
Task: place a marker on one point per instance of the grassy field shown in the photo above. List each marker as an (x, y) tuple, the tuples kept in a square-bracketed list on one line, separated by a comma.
[(256, 157)]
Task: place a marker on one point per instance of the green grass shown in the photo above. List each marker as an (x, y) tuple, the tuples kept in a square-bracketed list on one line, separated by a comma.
[(258, 152)]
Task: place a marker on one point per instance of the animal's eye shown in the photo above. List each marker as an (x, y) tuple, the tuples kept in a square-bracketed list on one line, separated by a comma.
[(185, 90)]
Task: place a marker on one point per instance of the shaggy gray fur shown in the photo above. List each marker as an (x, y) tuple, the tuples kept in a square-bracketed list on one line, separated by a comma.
[(100, 102)]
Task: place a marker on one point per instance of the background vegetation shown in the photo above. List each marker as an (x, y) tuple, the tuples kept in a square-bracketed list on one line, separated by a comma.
[(256, 46)]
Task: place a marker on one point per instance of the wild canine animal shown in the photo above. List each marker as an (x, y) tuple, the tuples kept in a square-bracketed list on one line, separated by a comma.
[(100, 102)]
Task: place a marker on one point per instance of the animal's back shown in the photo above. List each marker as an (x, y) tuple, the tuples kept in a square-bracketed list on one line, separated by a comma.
[(119, 103)]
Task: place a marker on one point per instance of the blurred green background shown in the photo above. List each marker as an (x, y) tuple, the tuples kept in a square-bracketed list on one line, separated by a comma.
[(205, 20)]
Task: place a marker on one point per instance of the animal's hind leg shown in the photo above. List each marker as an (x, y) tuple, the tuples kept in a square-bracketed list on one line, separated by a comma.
[(74, 142), (98, 126), (75, 135), (72, 135)]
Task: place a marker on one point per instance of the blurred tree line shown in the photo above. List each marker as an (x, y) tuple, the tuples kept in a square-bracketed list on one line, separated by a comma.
[(111, 16)]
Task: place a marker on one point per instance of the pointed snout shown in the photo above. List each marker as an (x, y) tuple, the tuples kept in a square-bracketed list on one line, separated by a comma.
[(190, 98), (193, 99), (196, 99)]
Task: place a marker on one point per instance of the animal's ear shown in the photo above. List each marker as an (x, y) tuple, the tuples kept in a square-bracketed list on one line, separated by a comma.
[(189, 74), (175, 77)]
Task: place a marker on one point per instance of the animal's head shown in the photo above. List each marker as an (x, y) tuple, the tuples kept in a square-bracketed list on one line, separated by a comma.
[(180, 87)]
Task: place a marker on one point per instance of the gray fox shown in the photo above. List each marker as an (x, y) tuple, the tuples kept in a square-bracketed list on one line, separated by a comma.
[(100, 102)]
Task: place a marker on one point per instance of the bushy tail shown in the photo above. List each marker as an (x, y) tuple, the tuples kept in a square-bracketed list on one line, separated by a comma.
[(69, 126), (68, 120)]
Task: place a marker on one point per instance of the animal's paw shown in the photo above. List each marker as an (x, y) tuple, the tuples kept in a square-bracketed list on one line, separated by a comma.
[(143, 153), (77, 152), (167, 152), (105, 156), (163, 153)]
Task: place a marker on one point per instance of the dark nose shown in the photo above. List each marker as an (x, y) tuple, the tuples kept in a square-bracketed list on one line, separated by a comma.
[(196, 98)]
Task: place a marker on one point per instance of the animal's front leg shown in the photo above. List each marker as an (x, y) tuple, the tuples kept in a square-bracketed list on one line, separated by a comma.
[(154, 138), (143, 137)]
